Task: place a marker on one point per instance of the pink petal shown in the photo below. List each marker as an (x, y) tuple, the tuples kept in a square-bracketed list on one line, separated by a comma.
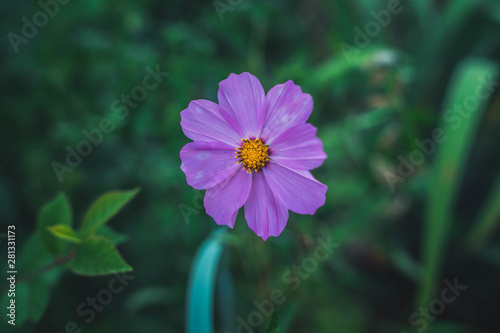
[(207, 164), (298, 148), (296, 189), (223, 201), (265, 215), (286, 107), (206, 121), (243, 97)]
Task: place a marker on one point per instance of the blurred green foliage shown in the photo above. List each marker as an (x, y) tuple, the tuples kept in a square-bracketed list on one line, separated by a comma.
[(373, 109), (55, 246)]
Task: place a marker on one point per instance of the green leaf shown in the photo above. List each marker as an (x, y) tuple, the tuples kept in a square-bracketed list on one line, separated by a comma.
[(451, 157), (31, 301), (116, 237), (65, 232), (57, 211), (273, 325), (32, 255), (104, 208), (97, 255), (202, 283)]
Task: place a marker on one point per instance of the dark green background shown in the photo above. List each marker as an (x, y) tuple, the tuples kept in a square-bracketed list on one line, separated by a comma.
[(369, 111)]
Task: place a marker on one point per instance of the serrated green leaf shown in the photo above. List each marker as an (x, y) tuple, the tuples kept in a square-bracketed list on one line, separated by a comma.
[(97, 255), (116, 237), (65, 232), (104, 208), (273, 325), (57, 211)]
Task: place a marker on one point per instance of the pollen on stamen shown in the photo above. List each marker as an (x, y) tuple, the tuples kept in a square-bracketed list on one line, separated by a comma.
[(253, 154)]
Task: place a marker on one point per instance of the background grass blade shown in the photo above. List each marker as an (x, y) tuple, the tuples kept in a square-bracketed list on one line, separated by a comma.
[(488, 221), (274, 324), (448, 170)]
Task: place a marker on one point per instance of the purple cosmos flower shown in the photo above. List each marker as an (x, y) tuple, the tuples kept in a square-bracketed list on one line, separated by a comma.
[(255, 150)]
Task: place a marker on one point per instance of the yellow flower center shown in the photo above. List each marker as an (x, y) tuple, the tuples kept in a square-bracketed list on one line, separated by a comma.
[(253, 154)]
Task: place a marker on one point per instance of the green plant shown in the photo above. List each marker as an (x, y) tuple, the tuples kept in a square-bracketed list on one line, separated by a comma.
[(56, 247)]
